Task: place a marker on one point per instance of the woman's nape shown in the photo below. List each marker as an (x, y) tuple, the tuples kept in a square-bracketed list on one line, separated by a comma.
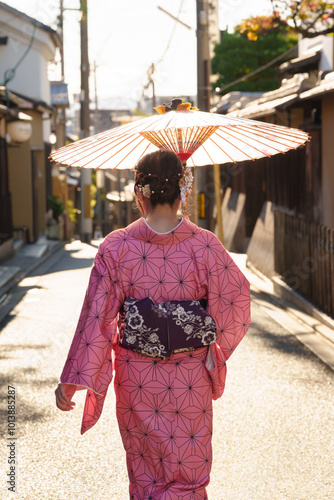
[(161, 218), (157, 189)]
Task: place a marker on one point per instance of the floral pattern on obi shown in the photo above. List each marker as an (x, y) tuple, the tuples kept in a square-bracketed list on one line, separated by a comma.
[(160, 329)]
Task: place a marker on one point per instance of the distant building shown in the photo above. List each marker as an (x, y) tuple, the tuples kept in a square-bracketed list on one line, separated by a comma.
[(26, 88)]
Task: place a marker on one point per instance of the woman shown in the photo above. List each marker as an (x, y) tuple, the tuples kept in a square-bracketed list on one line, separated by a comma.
[(164, 398)]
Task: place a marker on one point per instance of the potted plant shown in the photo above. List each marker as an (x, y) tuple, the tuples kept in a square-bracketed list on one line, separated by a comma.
[(55, 208)]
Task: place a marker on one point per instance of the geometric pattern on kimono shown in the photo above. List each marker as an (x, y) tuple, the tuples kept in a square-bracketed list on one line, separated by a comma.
[(187, 263)]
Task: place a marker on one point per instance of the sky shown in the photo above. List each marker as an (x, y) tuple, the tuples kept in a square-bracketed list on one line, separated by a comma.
[(127, 36)]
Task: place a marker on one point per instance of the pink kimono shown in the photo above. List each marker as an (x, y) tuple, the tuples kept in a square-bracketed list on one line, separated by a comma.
[(164, 407)]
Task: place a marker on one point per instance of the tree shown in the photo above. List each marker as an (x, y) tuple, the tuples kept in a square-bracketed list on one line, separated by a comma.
[(307, 18), (238, 55)]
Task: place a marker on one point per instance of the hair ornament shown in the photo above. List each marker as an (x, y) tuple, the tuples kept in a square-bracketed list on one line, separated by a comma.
[(146, 190), (185, 184)]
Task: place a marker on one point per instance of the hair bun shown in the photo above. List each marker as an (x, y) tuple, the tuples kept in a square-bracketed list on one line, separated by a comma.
[(161, 172)]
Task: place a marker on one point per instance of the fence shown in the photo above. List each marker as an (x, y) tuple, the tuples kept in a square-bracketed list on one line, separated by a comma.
[(304, 256)]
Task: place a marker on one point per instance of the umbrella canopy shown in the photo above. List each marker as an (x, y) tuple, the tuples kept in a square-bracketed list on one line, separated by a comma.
[(196, 137)]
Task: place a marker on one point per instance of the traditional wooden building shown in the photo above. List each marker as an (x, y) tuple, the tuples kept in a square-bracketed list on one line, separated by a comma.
[(27, 46), (285, 203)]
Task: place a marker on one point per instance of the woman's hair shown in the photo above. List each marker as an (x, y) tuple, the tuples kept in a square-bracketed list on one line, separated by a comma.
[(161, 171)]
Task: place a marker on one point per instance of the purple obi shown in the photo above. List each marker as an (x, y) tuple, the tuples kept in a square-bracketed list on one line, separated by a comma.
[(160, 329)]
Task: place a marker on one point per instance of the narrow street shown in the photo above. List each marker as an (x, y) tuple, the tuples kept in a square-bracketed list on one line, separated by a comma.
[(273, 427)]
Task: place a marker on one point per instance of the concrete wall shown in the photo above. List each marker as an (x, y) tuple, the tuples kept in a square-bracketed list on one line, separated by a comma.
[(323, 43), (260, 251), (233, 215), (31, 75), (328, 159)]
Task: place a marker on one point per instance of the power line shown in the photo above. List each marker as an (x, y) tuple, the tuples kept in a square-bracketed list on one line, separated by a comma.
[(258, 70), (173, 31), (9, 74), (151, 69)]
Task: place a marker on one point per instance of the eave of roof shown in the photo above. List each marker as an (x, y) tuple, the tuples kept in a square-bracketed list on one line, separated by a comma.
[(54, 35), (24, 102), (257, 110), (325, 86), (300, 62)]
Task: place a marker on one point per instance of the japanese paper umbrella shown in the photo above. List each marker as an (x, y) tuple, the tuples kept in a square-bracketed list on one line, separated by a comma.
[(198, 138)]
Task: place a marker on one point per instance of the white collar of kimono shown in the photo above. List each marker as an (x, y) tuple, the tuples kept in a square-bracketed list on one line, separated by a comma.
[(168, 232)]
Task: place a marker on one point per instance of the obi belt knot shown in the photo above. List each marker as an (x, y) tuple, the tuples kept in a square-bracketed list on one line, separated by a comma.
[(158, 330)]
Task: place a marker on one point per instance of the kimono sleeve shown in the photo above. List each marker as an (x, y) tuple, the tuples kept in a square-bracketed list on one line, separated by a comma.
[(229, 305), (89, 363)]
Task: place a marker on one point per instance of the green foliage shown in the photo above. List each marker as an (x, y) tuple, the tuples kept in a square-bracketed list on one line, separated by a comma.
[(56, 205), (72, 211), (308, 18), (237, 56), (93, 191)]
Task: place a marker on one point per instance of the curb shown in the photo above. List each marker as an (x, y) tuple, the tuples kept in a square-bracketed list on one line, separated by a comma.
[(303, 311), (322, 323), (23, 273)]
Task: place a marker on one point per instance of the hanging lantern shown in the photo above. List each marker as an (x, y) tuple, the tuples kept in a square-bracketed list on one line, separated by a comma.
[(19, 130)]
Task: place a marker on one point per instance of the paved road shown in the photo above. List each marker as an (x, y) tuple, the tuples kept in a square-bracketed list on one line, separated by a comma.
[(273, 428)]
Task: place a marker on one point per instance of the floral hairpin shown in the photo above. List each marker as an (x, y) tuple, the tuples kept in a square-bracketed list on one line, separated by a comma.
[(185, 184), (146, 190)]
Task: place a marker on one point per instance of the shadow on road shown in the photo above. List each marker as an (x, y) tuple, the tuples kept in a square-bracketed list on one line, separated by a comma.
[(6, 349), (284, 342), (66, 261), (63, 260), (22, 381)]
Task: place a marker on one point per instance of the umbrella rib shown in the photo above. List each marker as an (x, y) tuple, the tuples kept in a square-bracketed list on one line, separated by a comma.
[(169, 136), (275, 129), (140, 157), (208, 154), (105, 136), (269, 139), (241, 122), (236, 147), (92, 148), (221, 149), (105, 152), (143, 139), (87, 142), (262, 132), (72, 147), (271, 126), (95, 147), (249, 145)]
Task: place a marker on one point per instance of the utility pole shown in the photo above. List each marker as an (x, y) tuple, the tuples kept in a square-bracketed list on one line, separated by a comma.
[(61, 125), (204, 174), (95, 86), (99, 172), (86, 223), (203, 56), (150, 77), (61, 35)]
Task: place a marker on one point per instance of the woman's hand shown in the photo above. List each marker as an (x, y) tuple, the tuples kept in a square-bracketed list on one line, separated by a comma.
[(64, 393)]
